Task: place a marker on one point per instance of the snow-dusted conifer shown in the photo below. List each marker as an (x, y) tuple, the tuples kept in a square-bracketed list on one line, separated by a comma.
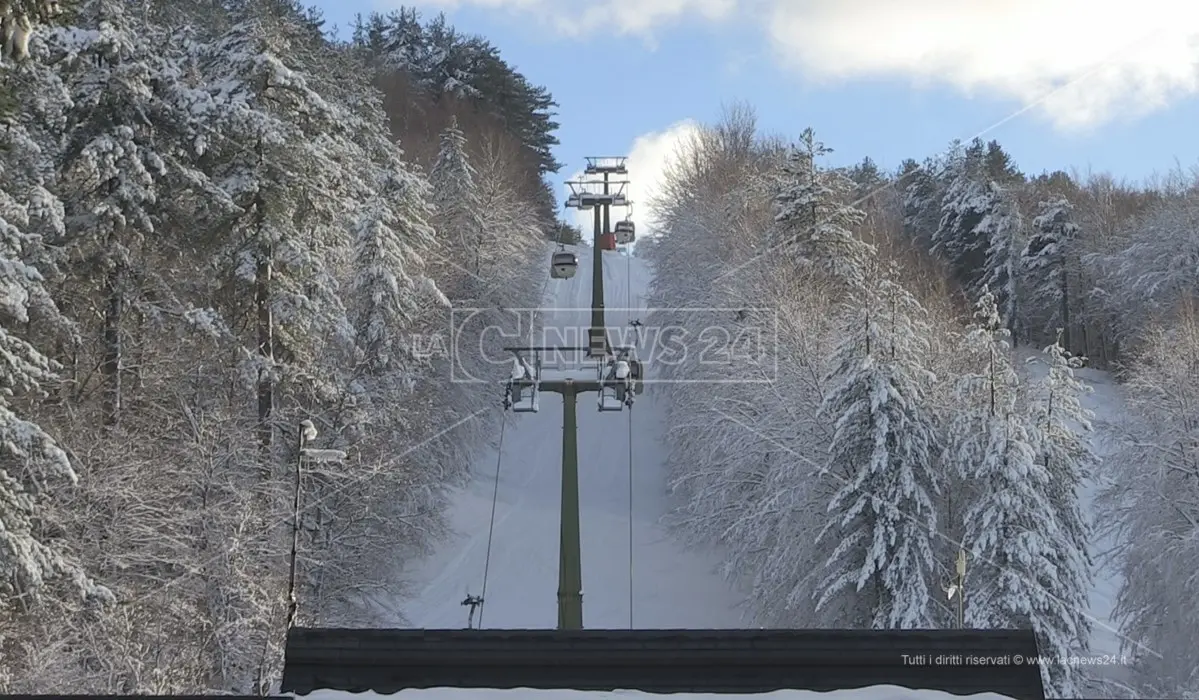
[(390, 286), (1003, 227), (966, 202), (883, 456), (31, 461), (1016, 543), (116, 165), (1044, 261), (1064, 452), (456, 196), (287, 157), (920, 200), (814, 217)]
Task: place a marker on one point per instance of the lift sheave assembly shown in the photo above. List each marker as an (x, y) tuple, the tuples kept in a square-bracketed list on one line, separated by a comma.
[(664, 661)]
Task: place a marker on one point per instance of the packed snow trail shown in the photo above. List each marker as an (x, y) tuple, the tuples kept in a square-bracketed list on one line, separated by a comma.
[(673, 587)]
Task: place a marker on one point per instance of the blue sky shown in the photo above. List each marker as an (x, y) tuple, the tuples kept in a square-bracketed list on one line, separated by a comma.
[(886, 78)]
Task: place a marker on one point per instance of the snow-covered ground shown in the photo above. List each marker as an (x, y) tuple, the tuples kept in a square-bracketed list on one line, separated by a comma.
[(672, 587), (1108, 404)]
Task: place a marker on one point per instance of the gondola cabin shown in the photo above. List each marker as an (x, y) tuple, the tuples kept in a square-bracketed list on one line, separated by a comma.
[(625, 232), (564, 265), (607, 241)]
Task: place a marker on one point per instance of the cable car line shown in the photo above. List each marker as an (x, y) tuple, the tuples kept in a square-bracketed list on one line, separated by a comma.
[(495, 497), (628, 288)]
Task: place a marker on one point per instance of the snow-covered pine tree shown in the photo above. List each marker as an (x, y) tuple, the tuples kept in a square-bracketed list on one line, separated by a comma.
[(286, 156), (31, 460), (1017, 545), (1003, 227), (883, 455), (1064, 452), (393, 240), (1044, 263), (402, 41), (978, 394), (814, 220), (747, 489), (459, 211), (966, 203), (513, 246), (117, 163), (920, 199), (391, 299), (391, 288), (37, 566), (475, 264)]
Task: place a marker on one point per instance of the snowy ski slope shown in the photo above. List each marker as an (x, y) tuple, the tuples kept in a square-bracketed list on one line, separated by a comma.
[(672, 587)]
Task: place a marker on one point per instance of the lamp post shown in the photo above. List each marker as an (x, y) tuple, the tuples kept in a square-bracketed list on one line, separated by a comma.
[(307, 434)]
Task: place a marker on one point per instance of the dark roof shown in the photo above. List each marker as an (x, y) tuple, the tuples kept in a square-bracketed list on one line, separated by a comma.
[(663, 661)]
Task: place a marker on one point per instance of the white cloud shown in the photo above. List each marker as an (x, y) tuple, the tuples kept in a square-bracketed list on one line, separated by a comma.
[(648, 157), (1104, 57), (1100, 59)]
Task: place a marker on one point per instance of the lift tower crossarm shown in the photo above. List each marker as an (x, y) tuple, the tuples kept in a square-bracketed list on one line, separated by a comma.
[(600, 165)]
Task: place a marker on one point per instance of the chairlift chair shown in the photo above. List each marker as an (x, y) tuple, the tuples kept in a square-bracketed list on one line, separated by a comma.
[(636, 369), (625, 232), (521, 394), (636, 376), (576, 201), (563, 265), (615, 383)]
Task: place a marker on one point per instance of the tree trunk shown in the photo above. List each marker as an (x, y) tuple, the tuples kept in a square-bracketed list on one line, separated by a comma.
[(1065, 312), (266, 351), (110, 365)]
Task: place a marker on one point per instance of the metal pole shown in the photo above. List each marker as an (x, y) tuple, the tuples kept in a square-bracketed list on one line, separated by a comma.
[(597, 336), (306, 432), (961, 571), (570, 565), (607, 208)]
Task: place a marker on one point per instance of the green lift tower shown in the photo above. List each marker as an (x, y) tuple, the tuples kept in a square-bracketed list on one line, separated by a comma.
[(611, 372)]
